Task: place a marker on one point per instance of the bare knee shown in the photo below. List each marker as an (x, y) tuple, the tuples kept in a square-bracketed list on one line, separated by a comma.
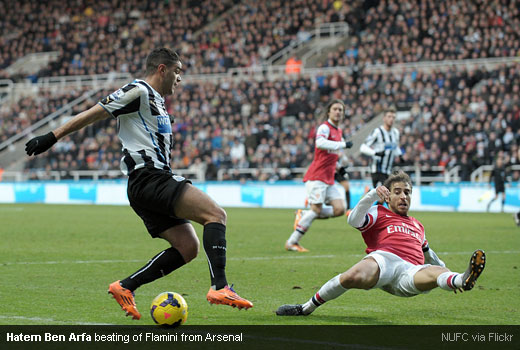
[(338, 210), (217, 215), (354, 279), (213, 213), (316, 208), (189, 249)]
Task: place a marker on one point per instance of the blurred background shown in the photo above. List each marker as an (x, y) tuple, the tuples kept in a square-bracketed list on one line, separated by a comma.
[(257, 77)]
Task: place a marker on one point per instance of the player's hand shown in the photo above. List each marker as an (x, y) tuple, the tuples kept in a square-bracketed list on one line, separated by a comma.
[(40, 144), (383, 193), (380, 154), (348, 144)]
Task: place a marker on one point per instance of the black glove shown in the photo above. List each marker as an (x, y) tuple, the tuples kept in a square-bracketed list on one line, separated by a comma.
[(40, 144), (348, 144), (343, 172), (380, 154)]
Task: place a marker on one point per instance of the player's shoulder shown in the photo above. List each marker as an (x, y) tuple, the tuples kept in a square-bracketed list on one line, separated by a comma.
[(140, 85), (323, 128)]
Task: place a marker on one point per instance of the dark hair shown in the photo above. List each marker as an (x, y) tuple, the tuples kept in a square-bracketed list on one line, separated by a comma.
[(162, 55), (397, 176), (329, 106)]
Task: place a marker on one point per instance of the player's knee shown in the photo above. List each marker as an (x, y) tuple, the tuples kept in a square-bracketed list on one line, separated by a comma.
[(339, 210), (218, 215), (354, 279), (190, 249)]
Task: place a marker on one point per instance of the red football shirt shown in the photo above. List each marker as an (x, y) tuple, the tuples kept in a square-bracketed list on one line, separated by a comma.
[(401, 235), (323, 165)]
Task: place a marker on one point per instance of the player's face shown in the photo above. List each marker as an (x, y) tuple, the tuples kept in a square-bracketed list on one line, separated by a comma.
[(400, 198), (336, 113), (172, 78), (388, 119)]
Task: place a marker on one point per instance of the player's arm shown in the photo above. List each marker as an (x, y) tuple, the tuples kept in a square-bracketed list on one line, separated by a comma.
[(322, 141), (42, 143), (366, 147), (358, 216), (398, 151), (429, 255)]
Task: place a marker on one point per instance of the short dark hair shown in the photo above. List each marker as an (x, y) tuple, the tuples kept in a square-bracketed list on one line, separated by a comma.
[(397, 176), (329, 106), (161, 55)]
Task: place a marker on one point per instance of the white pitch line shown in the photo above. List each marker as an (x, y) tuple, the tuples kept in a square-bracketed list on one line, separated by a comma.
[(53, 321), (289, 256)]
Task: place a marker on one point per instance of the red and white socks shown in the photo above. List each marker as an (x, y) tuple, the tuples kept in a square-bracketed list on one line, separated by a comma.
[(330, 290), (450, 280)]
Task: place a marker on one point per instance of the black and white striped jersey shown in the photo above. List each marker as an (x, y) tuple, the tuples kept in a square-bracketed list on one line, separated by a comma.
[(144, 126), (387, 143)]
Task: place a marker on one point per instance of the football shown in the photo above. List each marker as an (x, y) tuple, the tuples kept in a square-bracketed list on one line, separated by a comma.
[(169, 309)]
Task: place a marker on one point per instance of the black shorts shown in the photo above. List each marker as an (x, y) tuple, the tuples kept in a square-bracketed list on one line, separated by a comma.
[(378, 178), (500, 188), (152, 194)]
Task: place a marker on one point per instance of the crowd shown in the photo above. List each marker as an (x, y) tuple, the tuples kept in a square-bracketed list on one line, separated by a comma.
[(96, 38), (393, 32), (31, 108), (459, 118)]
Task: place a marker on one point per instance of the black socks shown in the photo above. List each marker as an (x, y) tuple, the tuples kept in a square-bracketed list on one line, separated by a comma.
[(160, 265), (214, 240)]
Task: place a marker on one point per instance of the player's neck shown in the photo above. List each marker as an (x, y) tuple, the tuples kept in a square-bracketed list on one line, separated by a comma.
[(154, 83), (332, 123)]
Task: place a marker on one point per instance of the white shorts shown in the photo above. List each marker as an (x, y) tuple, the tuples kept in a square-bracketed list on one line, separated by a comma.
[(319, 192), (396, 275)]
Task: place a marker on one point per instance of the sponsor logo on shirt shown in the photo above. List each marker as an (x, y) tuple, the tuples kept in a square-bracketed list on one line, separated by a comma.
[(404, 228), (163, 124)]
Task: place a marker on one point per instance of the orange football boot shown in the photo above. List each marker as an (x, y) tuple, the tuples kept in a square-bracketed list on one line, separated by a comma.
[(227, 296), (125, 298), (295, 248)]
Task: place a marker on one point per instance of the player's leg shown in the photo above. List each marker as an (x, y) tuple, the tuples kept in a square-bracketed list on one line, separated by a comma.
[(375, 179), (334, 197), (152, 205), (503, 202), (184, 248), (363, 275), (195, 205), (436, 276), (341, 176), (301, 227), (346, 186), (516, 216), (379, 179), (491, 201), (316, 193)]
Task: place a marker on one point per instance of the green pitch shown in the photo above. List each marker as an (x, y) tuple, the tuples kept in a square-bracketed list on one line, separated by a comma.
[(56, 263)]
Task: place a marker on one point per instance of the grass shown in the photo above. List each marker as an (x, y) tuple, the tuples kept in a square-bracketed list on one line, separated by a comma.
[(56, 263)]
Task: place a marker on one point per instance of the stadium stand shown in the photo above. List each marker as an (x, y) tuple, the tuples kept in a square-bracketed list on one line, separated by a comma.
[(239, 129), (270, 124), (408, 31)]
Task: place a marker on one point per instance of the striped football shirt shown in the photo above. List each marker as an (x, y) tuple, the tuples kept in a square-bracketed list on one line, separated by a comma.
[(143, 124), (387, 141)]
